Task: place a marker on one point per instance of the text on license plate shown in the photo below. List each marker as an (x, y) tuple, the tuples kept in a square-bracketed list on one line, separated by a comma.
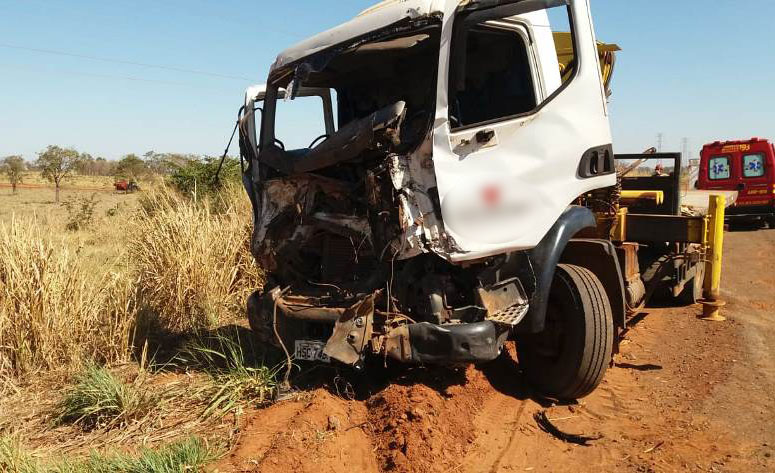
[(311, 350)]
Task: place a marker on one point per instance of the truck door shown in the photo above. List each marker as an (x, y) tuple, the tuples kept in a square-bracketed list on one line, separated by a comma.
[(514, 143)]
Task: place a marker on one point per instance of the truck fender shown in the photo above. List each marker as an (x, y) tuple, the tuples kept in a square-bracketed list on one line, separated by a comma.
[(544, 259)]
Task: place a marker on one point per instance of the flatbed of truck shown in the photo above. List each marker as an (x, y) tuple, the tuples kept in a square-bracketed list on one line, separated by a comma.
[(697, 200)]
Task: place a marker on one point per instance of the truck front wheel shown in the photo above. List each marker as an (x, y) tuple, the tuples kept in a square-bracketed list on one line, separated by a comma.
[(569, 358)]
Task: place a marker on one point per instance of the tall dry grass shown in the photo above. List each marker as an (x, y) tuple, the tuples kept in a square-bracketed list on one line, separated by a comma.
[(186, 266), (192, 258), (54, 313)]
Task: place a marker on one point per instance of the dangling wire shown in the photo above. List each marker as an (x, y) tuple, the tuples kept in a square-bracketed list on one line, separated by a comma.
[(226, 151)]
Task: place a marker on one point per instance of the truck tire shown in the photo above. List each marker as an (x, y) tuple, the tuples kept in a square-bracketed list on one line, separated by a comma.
[(569, 358)]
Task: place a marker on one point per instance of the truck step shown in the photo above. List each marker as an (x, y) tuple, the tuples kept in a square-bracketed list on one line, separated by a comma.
[(511, 315)]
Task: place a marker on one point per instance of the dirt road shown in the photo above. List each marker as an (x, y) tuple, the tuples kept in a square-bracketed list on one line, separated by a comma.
[(684, 395)]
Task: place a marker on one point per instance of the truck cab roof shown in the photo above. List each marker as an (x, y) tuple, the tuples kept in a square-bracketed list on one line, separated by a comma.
[(379, 16)]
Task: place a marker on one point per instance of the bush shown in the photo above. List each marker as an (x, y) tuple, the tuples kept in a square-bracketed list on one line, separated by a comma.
[(197, 177), (100, 399), (53, 312), (193, 266), (80, 212)]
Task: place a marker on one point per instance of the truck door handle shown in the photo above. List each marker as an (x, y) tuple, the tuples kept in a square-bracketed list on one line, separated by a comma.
[(484, 136), (741, 186)]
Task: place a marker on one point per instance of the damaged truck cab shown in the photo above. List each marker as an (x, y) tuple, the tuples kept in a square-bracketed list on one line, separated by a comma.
[(433, 217)]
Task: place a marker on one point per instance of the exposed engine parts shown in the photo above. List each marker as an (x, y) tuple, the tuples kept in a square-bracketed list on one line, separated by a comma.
[(372, 326)]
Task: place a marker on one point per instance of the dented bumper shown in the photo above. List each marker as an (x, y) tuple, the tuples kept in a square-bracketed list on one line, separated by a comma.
[(455, 343), (357, 331)]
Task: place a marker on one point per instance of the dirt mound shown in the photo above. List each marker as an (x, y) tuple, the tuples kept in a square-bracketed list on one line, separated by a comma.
[(409, 420), (320, 435), (421, 427)]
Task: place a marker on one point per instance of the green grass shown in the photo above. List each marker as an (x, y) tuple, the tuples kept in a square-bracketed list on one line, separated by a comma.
[(99, 399), (236, 378), (14, 459), (188, 455)]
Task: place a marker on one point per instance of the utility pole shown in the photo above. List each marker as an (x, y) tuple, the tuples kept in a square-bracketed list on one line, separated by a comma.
[(659, 147), (685, 158)]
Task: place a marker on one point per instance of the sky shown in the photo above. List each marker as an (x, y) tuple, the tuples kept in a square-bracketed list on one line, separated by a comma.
[(117, 77)]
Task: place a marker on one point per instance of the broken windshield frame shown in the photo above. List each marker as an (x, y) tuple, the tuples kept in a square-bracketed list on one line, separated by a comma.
[(314, 71), (273, 94)]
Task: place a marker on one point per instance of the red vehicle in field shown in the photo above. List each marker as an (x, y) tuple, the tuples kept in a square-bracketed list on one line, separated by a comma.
[(126, 186), (747, 167)]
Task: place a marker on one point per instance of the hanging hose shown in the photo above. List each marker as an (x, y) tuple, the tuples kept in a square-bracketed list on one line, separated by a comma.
[(286, 385)]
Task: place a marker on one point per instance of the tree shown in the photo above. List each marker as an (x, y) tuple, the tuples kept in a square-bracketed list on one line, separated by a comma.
[(57, 163), (103, 167), (164, 164), (13, 167), (85, 165), (131, 167), (198, 176)]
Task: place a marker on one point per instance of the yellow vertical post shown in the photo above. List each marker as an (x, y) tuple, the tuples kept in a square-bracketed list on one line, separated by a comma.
[(712, 302)]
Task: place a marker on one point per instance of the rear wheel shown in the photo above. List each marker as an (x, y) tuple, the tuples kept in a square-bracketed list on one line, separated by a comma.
[(569, 358)]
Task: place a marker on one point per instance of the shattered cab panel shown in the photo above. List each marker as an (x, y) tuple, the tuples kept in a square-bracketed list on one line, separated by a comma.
[(367, 188)]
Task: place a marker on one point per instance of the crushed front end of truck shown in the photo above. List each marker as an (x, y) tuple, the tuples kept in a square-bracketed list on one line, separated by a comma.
[(348, 230), (426, 220)]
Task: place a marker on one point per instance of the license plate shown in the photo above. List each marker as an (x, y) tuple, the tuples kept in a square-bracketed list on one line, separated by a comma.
[(311, 350)]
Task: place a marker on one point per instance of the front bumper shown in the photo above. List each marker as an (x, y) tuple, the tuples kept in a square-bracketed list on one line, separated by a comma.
[(353, 333), (455, 343)]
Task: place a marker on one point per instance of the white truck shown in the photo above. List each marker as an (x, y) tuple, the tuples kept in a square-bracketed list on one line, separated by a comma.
[(460, 191)]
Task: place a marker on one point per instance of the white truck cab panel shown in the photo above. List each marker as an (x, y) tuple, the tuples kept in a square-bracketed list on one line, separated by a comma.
[(504, 183)]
